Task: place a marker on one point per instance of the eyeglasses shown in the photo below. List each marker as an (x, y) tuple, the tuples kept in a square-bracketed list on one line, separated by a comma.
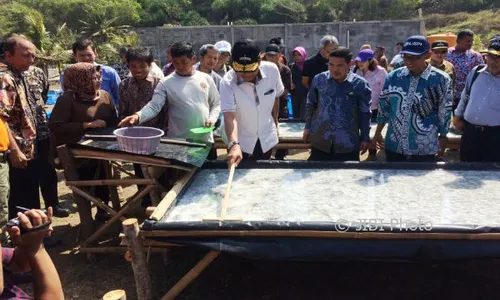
[(412, 57)]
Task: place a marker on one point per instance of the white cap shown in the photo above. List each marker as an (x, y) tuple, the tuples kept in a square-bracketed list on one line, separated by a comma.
[(223, 46)]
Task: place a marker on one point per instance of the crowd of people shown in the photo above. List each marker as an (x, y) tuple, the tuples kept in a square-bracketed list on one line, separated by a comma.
[(242, 90)]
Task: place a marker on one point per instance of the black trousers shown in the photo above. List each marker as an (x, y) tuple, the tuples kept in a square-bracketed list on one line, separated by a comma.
[(258, 154), (319, 155), (26, 184), (480, 144), (398, 157)]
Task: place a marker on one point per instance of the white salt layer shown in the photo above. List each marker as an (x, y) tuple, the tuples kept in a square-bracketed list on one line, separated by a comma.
[(317, 195)]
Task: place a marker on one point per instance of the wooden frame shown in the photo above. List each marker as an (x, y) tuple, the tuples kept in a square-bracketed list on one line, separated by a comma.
[(84, 198)]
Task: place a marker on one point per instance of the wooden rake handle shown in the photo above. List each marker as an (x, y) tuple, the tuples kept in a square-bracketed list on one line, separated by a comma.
[(225, 201)]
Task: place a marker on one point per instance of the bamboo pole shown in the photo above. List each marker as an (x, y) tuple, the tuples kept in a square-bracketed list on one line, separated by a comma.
[(225, 201), (139, 266), (170, 197), (111, 182), (191, 275)]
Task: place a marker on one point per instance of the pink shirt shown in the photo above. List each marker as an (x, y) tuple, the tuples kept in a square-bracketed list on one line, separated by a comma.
[(376, 81)]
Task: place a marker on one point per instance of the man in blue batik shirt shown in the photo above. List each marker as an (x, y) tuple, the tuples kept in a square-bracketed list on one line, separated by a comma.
[(416, 101), (84, 51), (338, 112)]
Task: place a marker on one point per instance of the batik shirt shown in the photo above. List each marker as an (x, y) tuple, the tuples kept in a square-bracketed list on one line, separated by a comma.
[(135, 94), (22, 99), (11, 290), (338, 114), (418, 110), (463, 62)]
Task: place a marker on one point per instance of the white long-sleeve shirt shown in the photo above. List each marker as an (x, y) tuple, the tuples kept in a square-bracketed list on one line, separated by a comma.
[(191, 101)]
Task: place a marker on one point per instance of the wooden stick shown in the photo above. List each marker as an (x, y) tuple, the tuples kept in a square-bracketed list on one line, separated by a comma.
[(170, 197), (155, 249), (191, 275), (139, 266), (225, 202), (111, 182), (94, 200), (118, 215), (162, 140), (322, 234), (150, 210), (86, 142), (115, 295)]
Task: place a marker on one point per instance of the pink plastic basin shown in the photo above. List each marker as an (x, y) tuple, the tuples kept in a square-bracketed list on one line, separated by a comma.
[(139, 140)]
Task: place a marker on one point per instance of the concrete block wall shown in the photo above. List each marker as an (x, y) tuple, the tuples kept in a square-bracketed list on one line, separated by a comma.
[(350, 34)]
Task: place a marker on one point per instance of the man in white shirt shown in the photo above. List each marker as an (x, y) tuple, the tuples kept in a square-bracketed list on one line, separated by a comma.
[(249, 101), (191, 97)]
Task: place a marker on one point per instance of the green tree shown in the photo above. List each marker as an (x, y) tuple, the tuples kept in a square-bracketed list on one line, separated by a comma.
[(193, 18)]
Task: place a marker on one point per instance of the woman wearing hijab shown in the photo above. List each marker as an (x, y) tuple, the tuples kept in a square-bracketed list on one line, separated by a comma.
[(82, 107), (299, 91)]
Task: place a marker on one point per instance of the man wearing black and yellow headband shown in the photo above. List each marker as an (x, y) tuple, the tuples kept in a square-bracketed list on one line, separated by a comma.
[(249, 100)]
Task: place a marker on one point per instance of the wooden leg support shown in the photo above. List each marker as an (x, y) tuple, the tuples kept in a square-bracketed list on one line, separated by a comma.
[(191, 275), (138, 260)]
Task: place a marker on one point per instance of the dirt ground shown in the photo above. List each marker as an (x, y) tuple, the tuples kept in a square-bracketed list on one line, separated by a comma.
[(232, 277)]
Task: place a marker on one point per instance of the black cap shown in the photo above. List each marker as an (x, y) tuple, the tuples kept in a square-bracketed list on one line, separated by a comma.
[(272, 49), (439, 45), (277, 41), (245, 56)]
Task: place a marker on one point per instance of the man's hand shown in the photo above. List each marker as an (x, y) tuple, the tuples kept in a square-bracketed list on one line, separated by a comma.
[(363, 147), (129, 121), (234, 156), (31, 240), (95, 124), (459, 123), (18, 159), (305, 135), (378, 141), (208, 123)]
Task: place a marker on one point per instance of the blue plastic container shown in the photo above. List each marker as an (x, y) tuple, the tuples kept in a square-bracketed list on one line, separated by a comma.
[(289, 104), (52, 97)]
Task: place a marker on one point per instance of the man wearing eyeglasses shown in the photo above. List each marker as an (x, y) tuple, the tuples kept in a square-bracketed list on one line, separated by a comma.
[(439, 50), (416, 102)]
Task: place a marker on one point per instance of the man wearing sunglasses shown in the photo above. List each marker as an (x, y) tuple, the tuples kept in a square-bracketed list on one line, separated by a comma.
[(416, 102), (439, 50)]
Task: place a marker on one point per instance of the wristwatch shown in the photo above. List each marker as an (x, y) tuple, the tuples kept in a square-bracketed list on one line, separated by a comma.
[(231, 144)]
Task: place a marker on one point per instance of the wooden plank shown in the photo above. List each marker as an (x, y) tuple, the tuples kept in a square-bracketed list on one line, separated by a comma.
[(170, 197), (191, 275), (323, 234), (94, 200), (162, 140), (111, 182)]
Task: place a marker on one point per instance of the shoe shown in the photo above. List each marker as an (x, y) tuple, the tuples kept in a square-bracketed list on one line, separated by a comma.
[(59, 211)]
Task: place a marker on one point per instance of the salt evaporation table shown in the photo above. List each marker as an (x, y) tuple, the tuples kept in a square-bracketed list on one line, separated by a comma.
[(307, 209)]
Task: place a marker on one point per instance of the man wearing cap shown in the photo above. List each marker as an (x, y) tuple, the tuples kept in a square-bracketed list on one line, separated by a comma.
[(439, 49), (464, 59), (319, 62), (279, 41), (478, 112), (273, 55), (224, 49), (249, 101), (338, 112), (380, 57), (416, 102)]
